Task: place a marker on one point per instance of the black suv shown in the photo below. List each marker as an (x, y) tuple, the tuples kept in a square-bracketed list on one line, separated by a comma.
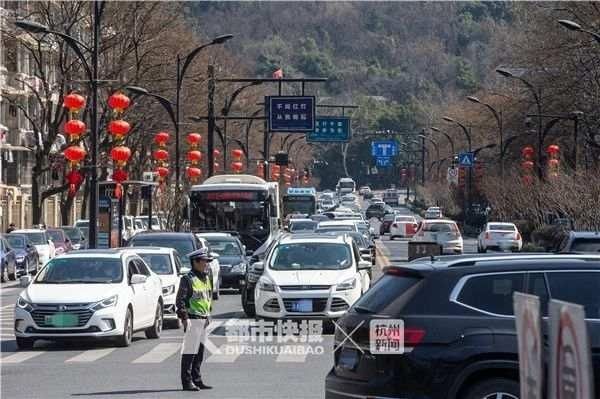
[(580, 242), (459, 328)]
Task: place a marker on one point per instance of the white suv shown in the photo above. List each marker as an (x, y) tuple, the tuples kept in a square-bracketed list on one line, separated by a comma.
[(311, 276), (90, 293)]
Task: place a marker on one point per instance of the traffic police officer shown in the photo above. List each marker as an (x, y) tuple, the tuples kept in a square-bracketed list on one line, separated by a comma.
[(194, 304)]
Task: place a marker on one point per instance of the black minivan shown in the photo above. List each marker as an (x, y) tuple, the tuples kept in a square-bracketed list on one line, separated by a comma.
[(459, 327)]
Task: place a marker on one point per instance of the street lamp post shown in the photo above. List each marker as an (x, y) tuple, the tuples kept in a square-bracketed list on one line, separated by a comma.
[(92, 74), (498, 116), (450, 140), (574, 26), (437, 150)]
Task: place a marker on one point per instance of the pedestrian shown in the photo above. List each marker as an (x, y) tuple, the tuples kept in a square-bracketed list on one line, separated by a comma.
[(194, 304), (11, 228)]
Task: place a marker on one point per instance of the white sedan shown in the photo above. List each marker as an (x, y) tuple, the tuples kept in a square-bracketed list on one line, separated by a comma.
[(443, 232), (404, 226), (90, 293), (499, 236)]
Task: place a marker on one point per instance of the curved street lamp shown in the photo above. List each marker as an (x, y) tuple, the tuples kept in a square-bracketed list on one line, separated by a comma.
[(450, 140), (574, 26), (498, 116), (463, 127)]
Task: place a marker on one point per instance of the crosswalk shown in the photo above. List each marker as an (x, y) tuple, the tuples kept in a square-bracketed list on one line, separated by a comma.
[(219, 350)]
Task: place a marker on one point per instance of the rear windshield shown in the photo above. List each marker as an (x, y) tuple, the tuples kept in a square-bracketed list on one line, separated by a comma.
[(388, 218), (388, 295), (303, 226), (502, 227), (440, 227), (586, 245), (409, 219), (334, 228)]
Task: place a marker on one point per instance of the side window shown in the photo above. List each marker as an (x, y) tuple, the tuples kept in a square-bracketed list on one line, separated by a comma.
[(537, 286), (577, 287), (143, 269), (177, 262), (356, 252), (131, 269), (492, 293)]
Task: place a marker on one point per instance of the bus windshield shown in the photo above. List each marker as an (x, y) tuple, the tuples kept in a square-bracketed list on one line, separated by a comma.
[(244, 212), (305, 205)]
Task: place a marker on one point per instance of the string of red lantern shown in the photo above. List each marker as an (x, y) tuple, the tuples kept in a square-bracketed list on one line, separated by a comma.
[(194, 156), (74, 129), (119, 128), (527, 165), (553, 160), (161, 157)]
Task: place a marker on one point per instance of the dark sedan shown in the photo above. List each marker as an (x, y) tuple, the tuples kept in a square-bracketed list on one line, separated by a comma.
[(26, 255), (232, 258), (8, 261)]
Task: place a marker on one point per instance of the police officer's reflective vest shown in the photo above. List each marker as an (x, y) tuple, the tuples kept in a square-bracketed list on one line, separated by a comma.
[(200, 304)]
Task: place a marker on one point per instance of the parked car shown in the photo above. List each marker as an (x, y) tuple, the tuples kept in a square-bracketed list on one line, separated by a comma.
[(8, 260), (499, 236), (92, 293), (77, 237), (183, 243), (166, 264), (443, 232), (581, 242), (61, 241), (232, 258), (316, 276), (26, 255), (42, 242), (460, 340), (403, 226)]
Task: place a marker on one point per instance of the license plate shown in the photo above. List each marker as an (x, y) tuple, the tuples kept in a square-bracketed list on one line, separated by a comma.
[(62, 320), (303, 305), (348, 359)]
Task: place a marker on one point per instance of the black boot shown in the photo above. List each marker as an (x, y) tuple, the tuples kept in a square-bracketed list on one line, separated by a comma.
[(190, 386), (201, 385)]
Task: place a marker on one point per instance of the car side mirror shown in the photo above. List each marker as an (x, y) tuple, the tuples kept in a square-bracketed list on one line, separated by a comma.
[(364, 265), (138, 279), (258, 266), (24, 281)]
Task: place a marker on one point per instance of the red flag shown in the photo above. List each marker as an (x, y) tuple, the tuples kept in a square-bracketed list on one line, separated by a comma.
[(278, 74)]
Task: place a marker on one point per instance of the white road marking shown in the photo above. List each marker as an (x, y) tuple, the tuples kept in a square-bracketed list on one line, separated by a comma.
[(90, 355), (159, 353), (20, 357), (228, 353), (292, 358)]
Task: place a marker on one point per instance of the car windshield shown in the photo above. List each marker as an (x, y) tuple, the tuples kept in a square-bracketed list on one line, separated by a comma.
[(304, 225), (15, 241), (326, 229), (37, 238), (73, 234), (56, 235), (440, 227), (183, 247), (586, 245), (501, 227), (92, 270), (311, 256), (159, 263), (224, 247)]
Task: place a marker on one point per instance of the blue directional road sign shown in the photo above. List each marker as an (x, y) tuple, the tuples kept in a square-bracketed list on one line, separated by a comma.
[(383, 162), (384, 148), (291, 113), (466, 159), (330, 129)]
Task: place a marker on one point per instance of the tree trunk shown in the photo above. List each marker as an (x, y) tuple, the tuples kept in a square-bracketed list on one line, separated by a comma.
[(36, 201), (66, 205)]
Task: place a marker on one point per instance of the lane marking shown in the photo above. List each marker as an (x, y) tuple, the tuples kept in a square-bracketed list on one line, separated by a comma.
[(382, 255), (228, 353), (159, 353), (90, 355), (20, 357)]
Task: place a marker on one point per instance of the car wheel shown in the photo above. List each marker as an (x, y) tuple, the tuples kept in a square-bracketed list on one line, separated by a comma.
[(249, 309), (11, 276), (24, 343), (494, 388), (217, 292), (125, 339), (154, 331)]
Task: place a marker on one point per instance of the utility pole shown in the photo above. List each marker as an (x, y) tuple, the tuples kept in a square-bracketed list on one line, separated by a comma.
[(210, 144)]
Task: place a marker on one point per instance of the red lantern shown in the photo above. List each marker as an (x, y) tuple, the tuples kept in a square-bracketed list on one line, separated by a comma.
[(74, 178), (120, 155), (118, 102), (74, 102), (194, 173), (161, 138), (75, 154), (527, 164), (194, 156), (119, 175), (527, 151), (194, 139), (162, 172), (553, 163), (161, 155), (553, 149), (237, 166), (119, 128), (237, 153), (74, 128), (216, 152)]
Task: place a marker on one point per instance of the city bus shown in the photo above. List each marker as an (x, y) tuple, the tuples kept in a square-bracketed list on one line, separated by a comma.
[(300, 200), (245, 205), (345, 185)]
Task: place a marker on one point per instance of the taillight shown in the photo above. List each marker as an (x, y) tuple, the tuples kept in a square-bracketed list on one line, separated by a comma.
[(487, 235), (518, 237), (413, 336)]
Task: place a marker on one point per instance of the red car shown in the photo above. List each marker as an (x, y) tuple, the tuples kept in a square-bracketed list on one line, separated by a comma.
[(60, 240)]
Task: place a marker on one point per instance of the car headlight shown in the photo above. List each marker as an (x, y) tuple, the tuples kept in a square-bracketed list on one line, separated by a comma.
[(346, 285), (266, 285), (239, 268), (105, 303), (169, 289), (23, 304)]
